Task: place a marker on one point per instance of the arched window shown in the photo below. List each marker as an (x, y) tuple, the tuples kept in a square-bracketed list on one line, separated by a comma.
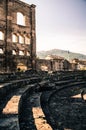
[(1, 51), (21, 53), (27, 40), (20, 19), (1, 35), (21, 39), (13, 52), (28, 54), (14, 38)]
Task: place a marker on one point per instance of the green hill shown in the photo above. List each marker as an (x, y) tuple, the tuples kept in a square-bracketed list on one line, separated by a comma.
[(66, 54)]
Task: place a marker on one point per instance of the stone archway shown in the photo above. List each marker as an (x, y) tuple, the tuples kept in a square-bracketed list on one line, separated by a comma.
[(21, 67)]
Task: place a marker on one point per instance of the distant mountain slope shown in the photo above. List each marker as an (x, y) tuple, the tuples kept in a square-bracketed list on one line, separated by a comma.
[(66, 54)]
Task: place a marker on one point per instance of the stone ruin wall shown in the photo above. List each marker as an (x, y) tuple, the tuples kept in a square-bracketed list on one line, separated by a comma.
[(18, 40)]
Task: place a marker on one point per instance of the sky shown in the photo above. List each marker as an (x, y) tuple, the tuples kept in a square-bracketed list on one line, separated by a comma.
[(60, 24)]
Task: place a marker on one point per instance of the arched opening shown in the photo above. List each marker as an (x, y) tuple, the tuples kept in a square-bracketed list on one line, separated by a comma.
[(21, 39), (21, 67), (13, 52), (27, 40), (28, 53), (21, 53), (14, 38), (1, 51), (1, 35), (20, 19)]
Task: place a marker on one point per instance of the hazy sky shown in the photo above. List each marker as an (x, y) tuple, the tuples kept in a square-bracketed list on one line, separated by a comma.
[(60, 24)]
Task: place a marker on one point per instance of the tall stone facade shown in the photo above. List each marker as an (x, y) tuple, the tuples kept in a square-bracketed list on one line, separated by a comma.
[(17, 35)]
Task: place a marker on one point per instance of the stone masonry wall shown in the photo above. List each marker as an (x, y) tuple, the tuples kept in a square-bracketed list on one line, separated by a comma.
[(18, 44)]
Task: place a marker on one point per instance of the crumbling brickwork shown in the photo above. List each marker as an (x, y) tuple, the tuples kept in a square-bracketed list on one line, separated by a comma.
[(17, 35)]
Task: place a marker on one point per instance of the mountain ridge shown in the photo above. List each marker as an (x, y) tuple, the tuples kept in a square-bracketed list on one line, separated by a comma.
[(63, 53)]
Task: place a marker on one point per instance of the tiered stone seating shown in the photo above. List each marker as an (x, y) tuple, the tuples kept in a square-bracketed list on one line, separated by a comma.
[(37, 85)]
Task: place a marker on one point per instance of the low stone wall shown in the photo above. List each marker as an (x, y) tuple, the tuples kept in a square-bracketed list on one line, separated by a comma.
[(7, 88)]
